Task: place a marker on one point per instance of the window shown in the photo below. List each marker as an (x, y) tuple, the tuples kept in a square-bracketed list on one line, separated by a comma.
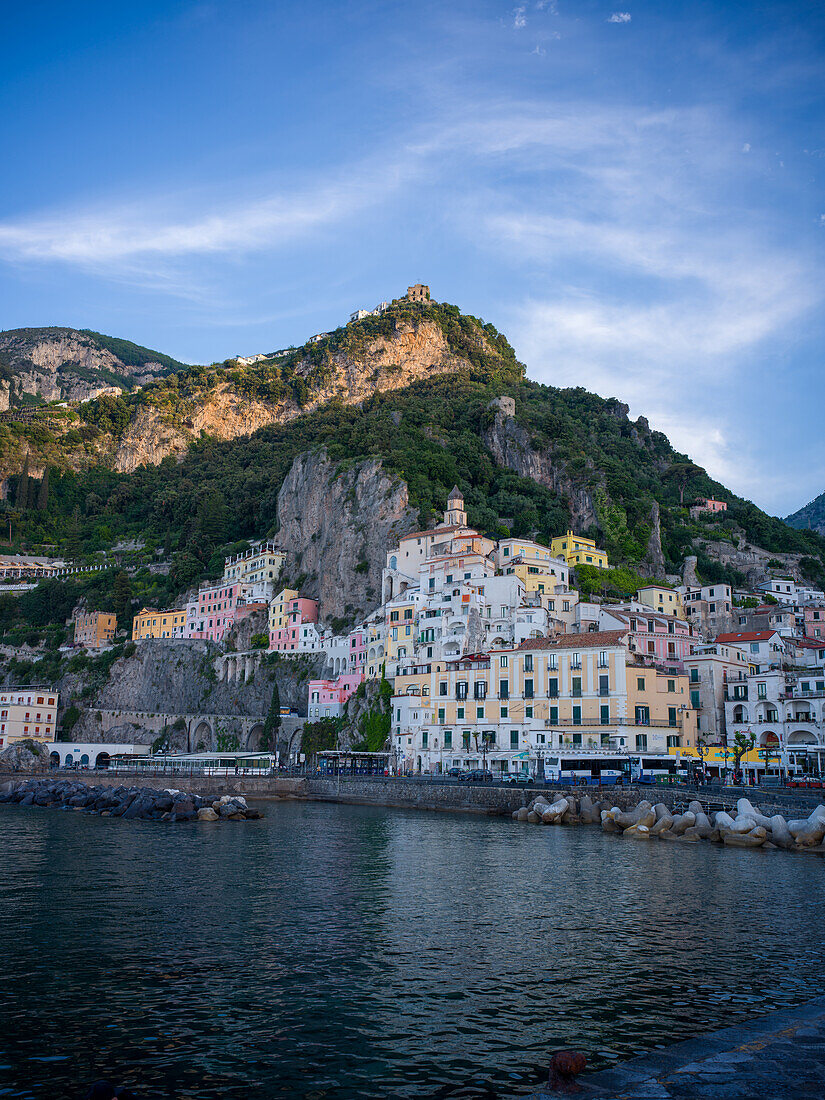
[(604, 714), (442, 688), (553, 662), (694, 700), (604, 685), (528, 689), (694, 675), (424, 740), (754, 647), (480, 689), (674, 741), (528, 662), (641, 741), (461, 689), (577, 686), (671, 716), (528, 712), (448, 739), (504, 689), (502, 662), (671, 685), (554, 716), (441, 718), (513, 739), (577, 716), (603, 662), (577, 660), (553, 687), (465, 740), (640, 683), (479, 712), (459, 712)]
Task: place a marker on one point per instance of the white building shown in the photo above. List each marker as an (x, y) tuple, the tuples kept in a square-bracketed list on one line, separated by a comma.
[(785, 712), (713, 669), (764, 649), (27, 713)]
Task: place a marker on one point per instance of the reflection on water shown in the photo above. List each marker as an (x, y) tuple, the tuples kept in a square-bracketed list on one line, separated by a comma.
[(334, 951)]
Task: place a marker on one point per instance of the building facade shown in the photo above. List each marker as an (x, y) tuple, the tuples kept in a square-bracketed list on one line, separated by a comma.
[(577, 550), (27, 713), (94, 629)]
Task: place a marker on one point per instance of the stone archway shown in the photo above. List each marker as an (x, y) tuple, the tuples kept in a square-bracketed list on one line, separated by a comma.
[(54, 759), (253, 738), (102, 760), (202, 733)]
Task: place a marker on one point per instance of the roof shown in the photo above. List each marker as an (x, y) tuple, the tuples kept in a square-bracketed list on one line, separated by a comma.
[(592, 639), (808, 643), (746, 636), (437, 531), (455, 494)]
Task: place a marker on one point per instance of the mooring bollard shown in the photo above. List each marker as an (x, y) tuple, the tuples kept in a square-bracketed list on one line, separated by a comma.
[(565, 1065)]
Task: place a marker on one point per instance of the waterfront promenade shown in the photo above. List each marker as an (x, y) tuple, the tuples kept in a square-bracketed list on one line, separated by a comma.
[(776, 1057)]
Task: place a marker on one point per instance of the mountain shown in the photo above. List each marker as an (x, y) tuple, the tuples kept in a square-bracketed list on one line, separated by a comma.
[(65, 364), (345, 442), (811, 517)]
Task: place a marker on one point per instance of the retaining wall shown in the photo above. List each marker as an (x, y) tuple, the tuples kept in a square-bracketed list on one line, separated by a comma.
[(450, 797)]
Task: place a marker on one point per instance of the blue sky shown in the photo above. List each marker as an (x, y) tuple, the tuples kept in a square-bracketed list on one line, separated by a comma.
[(633, 194)]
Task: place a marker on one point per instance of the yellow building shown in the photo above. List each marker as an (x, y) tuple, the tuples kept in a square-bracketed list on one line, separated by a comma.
[(94, 629), (401, 619), (577, 550), (662, 599), (258, 566), (574, 692), (151, 623), (28, 713), (279, 617)]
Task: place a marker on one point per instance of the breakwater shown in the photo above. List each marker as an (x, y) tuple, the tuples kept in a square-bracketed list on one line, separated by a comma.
[(416, 794), (146, 803), (749, 827)]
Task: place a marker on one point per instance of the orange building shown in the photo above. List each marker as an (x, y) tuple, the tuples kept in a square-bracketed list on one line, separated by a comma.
[(94, 629)]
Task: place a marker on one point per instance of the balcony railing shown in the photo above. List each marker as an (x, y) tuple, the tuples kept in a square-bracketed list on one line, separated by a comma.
[(654, 723)]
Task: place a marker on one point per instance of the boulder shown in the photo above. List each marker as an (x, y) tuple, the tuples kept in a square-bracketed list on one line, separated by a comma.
[(648, 818), (638, 832), (743, 824), (533, 818), (690, 835), (743, 840), (780, 833), (696, 807), (661, 825), (206, 813), (723, 822), (683, 822), (661, 810), (522, 814), (588, 811), (703, 826)]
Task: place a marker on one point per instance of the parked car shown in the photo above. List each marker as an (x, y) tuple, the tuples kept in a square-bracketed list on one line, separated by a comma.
[(455, 773), (476, 775)]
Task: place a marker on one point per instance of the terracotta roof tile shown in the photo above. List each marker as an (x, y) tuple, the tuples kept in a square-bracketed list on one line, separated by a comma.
[(592, 639)]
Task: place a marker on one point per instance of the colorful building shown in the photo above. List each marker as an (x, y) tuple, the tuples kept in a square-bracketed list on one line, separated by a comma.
[(151, 623), (256, 570), (28, 713), (327, 698), (661, 598), (94, 629), (288, 613), (577, 550)]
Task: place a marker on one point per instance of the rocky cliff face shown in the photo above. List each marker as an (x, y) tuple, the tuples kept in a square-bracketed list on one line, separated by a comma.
[(511, 446), (415, 350), (180, 678), (338, 524), (65, 365), (811, 517)]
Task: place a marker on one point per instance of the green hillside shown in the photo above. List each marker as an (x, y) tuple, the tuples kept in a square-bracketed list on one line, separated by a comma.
[(811, 517), (430, 433)]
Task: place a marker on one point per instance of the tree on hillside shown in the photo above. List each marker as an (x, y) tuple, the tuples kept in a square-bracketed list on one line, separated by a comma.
[(682, 473), (43, 492), (122, 598), (272, 724), (22, 500)]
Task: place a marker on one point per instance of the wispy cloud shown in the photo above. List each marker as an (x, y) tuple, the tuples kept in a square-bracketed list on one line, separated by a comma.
[(519, 18), (620, 17)]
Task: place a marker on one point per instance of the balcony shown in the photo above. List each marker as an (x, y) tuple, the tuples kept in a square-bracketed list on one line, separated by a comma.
[(654, 723)]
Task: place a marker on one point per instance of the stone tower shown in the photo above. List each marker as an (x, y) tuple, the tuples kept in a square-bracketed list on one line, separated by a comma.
[(418, 293), (455, 516)]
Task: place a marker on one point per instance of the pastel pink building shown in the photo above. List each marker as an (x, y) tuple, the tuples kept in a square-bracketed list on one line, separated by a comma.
[(661, 639), (212, 613), (288, 613), (357, 650), (814, 620), (327, 697)]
